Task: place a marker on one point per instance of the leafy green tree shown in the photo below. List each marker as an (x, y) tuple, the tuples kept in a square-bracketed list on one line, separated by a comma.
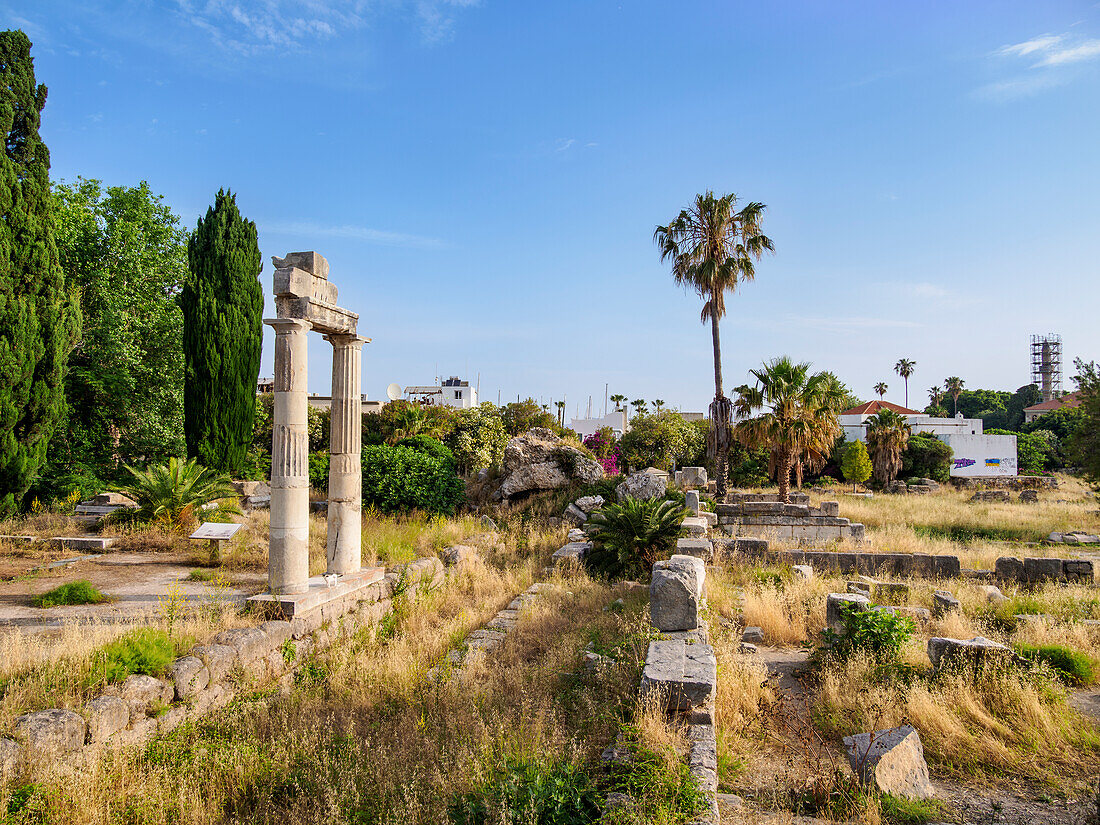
[(39, 319), (926, 456), (661, 440), (975, 403), (478, 438), (856, 466), (1084, 442), (1026, 396), (222, 333), (628, 538), (797, 415), (935, 395), (887, 437), (714, 247), (1033, 452), (1063, 422), (905, 367), (520, 416), (401, 478), (124, 251)]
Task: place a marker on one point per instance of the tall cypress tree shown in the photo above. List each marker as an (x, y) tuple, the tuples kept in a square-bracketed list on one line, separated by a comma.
[(39, 321), (222, 333)]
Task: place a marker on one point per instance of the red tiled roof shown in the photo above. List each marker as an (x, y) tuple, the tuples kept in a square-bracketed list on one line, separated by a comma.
[(872, 407), (1073, 399)]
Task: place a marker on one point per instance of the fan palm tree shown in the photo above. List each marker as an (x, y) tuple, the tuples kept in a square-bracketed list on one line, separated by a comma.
[(713, 247), (798, 418), (170, 493), (934, 395), (639, 406), (618, 399), (561, 412), (887, 437), (881, 388), (905, 367), (658, 403), (954, 386)]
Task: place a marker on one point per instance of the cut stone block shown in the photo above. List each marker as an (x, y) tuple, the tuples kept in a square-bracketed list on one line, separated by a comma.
[(753, 636), (892, 761), (835, 605), (691, 501), (944, 652), (1079, 570), (944, 603), (1010, 568), (676, 593), (106, 716), (51, 731), (575, 514), (249, 643), (802, 571), (573, 551), (700, 548), (992, 593), (695, 526), (683, 675), (1041, 569)]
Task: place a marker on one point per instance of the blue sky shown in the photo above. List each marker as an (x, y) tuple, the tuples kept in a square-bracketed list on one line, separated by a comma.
[(484, 177)]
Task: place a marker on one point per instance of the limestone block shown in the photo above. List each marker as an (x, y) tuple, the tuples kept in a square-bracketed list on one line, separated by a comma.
[(575, 515), (188, 676), (691, 501), (676, 593), (1029, 496), (460, 556), (1079, 570), (918, 614), (991, 593), (171, 719), (835, 604), (642, 486), (51, 731), (277, 632), (694, 476), (302, 626), (751, 547), (682, 675), (106, 716), (753, 636), (1010, 568), (694, 526), (802, 571), (859, 587), (143, 693), (943, 603), (547, 475), (967, 652), (711, 518), (892, 761), (576, 534), (138, 735), (219, 660), (589, 504), (574, 551), (10, 756), (249, 643), (830, 508), (1040, 569), (698, 547)]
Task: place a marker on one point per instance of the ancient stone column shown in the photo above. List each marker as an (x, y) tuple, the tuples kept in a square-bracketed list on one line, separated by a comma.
[(288, 547), (345, 474)]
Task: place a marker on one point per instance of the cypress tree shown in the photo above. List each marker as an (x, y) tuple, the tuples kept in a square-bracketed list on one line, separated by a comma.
[(39, 321), (222, 333)]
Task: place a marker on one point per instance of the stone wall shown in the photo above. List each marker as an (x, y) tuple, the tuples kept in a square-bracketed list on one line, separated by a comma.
[(1009, 482), (762, 515), (209, 677)]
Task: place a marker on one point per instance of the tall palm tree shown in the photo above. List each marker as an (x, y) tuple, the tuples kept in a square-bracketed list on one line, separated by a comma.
[(887, 437), (658, 403), (639, 406), (618, 399), (934, 395), (905, 367), (713, 247), (561, 412), (881, 388), (798, 414), (954, 386)]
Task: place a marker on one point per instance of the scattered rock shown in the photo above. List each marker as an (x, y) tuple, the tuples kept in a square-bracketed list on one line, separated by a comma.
[(835, 605), (1029, 496), (897, 487), (576, 534), (52, 731), (892, 761), (691, 501), (746, 647), (10, 754), (802, 571), (967, 652), (488, 524), (189, 675), (575, 515), (642, 485), (943, 603), (753, 636), (992, 593), (106, 716), (694, 476), (143, 693), (540, 460), (676, 593), (589, 503), (991, 495)]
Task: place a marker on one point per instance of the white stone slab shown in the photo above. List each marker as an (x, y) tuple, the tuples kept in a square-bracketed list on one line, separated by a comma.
[(216, 531)]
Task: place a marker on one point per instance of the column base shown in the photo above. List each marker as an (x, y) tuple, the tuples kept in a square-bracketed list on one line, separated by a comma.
[(318, 593)]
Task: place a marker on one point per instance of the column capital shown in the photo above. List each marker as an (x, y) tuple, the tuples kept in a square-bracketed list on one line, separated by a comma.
[(346, 339), (285, 326)]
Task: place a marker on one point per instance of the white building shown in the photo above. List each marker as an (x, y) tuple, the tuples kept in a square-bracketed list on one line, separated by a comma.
[(975, 453), (585, 427), (451, 393)]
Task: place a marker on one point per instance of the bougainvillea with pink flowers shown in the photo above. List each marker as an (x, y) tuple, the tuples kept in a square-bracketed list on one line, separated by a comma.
[(605, 447)]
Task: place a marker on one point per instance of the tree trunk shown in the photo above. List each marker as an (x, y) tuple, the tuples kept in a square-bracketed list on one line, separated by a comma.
[(785, 476), (721, 439)]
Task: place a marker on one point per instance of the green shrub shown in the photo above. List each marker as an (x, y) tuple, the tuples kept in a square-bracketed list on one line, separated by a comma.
[(318, 470), (148, 651), (628, 538), (529, 790), (663, 790), (905, 811), (77, 592), (926, 456), (429, 446), (878, 633), (400, 478), (1072, 666)]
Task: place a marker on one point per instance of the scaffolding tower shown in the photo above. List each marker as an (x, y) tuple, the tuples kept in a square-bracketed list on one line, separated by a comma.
[(1046, 364)]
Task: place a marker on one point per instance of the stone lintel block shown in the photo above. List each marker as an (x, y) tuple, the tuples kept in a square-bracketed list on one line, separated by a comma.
[(1043, 569), (682, 675), (312, 262), (698, 547), (1010, 568), (51, 731), (1079, 570), (695, 526), (573, 551)]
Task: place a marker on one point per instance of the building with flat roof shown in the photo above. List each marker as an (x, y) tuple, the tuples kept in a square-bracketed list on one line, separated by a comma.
[(450, 393)]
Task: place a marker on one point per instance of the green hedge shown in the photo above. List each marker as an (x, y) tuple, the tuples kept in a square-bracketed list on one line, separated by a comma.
[(401, 478)]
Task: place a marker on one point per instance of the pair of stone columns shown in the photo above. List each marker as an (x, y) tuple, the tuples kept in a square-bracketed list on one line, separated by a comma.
[(288, 559)]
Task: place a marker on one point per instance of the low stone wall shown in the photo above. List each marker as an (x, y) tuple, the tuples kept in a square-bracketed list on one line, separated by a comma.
[(797, 521), (209, 677), (1009, 482)]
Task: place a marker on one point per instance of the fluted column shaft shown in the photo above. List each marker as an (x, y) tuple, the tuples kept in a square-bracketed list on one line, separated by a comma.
[(288, 546), (345, 475)]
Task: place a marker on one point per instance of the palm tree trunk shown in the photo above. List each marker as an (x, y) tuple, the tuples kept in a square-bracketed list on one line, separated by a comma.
[(784, 476), (907, 393), (721, 439)]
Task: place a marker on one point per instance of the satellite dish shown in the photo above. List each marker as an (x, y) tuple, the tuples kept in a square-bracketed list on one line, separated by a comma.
[(393, 391)]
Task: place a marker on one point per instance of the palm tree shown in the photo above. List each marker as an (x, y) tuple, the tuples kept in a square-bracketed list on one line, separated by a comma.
[(934, 395), (881, 388), (798, 418), (905, 367), (639, 406), (618, 399), (887, 437), (658, 403), (171, 493), (561, 412), (954, 387), (713, 247), (628, 538)]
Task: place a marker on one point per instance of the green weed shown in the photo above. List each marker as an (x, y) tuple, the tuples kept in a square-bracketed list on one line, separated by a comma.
[(1071, 666), (80, 591), (148, 651)]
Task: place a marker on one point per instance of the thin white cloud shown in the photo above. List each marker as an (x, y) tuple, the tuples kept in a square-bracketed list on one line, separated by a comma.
[(1088, 50), (1045, 54), (924, 289), (853, 324), (1024, 86), (562, 144), (380, 237), (1043, 43)]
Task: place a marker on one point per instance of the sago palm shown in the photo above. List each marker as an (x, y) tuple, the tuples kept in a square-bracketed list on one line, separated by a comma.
[(887, 438), (713, 247), (171, 493), (797, 417), (628, 538), (905, 367)]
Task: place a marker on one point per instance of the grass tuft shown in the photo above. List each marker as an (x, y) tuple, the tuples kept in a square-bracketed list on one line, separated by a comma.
[(148, 651), (80, 591), (1071, 666)]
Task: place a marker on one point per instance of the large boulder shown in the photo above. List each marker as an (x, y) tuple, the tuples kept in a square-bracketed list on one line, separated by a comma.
[(643, 485), (536, 446), (540, 460), (891, 760)]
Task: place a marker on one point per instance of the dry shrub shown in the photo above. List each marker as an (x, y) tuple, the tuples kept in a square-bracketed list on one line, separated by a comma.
[(790, 612), (997, 721)]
